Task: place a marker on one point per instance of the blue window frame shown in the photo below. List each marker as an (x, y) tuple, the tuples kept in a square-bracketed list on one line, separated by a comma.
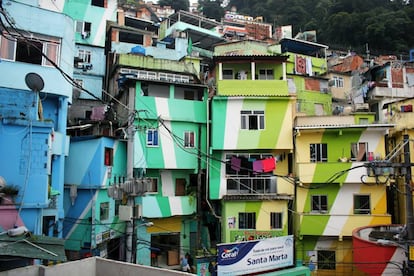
[(152, 137)]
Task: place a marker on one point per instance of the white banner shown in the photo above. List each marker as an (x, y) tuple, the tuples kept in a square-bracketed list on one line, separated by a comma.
[(255, 256)]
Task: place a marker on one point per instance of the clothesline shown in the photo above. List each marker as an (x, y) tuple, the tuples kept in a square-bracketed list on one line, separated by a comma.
[(255, 165)]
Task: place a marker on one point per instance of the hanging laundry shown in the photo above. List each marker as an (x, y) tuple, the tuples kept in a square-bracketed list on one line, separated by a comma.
[(235, 163), (269, 164), (300, 65), (246, 165), (258, 166)]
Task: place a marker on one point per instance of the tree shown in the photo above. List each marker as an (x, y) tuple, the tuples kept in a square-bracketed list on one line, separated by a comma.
[(175, 4), (212, 9)]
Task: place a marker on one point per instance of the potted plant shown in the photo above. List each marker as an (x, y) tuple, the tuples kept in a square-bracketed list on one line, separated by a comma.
[(9, 192)]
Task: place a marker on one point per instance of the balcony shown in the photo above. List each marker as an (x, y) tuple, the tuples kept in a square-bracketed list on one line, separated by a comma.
[(267, 88), (151, 63), (383, 91), (256, 188)]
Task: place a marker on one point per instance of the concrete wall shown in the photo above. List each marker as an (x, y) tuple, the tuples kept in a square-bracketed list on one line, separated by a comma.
[(91, 266)]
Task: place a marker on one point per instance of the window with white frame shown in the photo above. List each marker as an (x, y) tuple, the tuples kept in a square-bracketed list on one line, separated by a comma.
[(319, 203), (318, 153), (152, 137), (247, 220), (252, 119), (362, 204), (84, 55), (338, 81), (84, 28), (189, 139), (266, 74), (359, 151), (38, 49), (276, 220)]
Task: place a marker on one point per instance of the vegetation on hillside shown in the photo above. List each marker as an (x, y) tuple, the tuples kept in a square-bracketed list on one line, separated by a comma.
[(382, 26)]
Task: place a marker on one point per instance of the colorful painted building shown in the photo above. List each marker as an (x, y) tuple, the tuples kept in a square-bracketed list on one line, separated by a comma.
[(89, 63), (34, 98), (91, 225), (162, 112), (306, 68), (250, 142), (336, 190)]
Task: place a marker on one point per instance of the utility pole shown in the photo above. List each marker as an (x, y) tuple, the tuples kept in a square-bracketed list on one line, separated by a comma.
[(409, 206), (130, 229)]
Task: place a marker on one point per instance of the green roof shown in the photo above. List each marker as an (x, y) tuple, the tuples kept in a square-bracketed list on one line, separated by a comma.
[(32, 247)]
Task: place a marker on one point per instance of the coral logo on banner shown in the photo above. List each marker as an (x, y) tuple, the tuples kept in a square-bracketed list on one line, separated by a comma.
[(230, 253)]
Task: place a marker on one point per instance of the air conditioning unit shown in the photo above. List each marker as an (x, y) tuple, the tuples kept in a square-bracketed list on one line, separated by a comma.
[(84, 66), (125, 212)]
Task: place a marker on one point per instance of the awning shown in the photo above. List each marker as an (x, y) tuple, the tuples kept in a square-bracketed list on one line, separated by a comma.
[(32, 247)]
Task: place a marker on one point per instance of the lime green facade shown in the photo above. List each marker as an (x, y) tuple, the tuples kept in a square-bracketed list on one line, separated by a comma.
[(335, 192), (251, 137)]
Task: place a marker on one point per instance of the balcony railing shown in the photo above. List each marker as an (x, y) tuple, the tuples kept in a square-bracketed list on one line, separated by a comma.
[(251, 185)]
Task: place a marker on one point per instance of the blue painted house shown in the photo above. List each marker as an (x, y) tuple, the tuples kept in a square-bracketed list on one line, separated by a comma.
[(34, 98), (92, 226)]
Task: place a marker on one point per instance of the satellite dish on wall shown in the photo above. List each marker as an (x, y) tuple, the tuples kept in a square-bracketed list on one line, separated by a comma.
[(34, 82)]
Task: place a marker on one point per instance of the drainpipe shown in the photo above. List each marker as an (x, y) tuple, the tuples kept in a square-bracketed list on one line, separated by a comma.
[(199, 214), (409, 205)]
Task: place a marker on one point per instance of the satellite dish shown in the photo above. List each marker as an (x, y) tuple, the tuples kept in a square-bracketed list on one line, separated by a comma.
[(34, 82)]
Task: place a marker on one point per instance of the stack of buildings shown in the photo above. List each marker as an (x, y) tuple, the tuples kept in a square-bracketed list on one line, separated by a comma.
[(139, 134)]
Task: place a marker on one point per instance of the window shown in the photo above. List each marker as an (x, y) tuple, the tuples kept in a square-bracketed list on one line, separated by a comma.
[(319, 203), (252, 119), (131, 37), (152, 137), (359, 151), (338, 81), (318, 153), (84, 55), (77, 89), (98, 3), (180, 187), (152, 185), (189, 139), (84, 28), (7, 47), (109, 155), (326, 259), (276, 220), (104, 211), (266, 74), (247, 220), (117, 203), (35, 50), (362, 204), (227, 74)]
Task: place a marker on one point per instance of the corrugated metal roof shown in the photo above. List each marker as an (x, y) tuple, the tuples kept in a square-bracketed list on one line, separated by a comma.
[(32, 247)]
